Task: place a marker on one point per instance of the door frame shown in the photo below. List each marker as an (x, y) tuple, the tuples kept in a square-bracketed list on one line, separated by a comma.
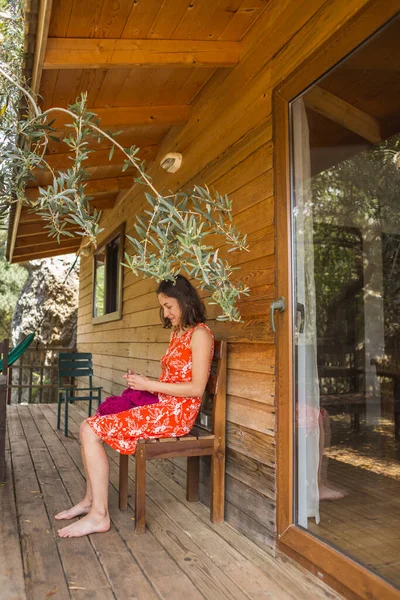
[(334, 567)]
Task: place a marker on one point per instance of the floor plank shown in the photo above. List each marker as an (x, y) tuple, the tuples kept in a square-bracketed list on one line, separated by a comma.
[(12, 583)]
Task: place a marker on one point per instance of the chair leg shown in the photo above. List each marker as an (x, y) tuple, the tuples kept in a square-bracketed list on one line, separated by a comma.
[(192, 478), (123, 481), (90, 406), (59, 410), (66, 414), (218, 486), (140, 488)]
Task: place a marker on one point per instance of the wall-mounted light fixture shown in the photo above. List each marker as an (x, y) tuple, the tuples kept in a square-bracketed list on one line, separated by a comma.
[(171, 162)]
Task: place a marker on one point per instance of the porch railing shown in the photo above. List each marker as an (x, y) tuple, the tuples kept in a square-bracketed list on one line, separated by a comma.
[(33, 378)]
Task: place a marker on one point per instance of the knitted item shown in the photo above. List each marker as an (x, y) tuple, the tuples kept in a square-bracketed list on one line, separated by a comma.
[(129, 399)]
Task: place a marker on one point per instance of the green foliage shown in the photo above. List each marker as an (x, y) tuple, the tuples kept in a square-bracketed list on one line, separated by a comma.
[(12, 280), (172, 236), (359, 194), (11, 53), (362, 188)]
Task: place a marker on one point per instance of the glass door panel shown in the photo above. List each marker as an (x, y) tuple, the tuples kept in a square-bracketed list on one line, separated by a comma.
[(345, 144)]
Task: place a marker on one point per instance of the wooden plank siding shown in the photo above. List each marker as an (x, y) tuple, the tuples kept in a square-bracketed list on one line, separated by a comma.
[(227, 144)]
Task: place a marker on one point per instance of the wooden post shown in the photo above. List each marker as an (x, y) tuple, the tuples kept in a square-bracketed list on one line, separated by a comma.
[(41, 363), (3, 405), (31, 367), (9, 391), (218, 458), (20, 361), (4, 353), (396, 394)]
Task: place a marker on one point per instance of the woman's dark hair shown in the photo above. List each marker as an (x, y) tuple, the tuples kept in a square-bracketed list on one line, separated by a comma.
[(190, 303)]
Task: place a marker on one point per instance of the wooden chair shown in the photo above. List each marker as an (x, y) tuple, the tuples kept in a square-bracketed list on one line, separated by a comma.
[(3, 408), (203, 440), (70, 365)]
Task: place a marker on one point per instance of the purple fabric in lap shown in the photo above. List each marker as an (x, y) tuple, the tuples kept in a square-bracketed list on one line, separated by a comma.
[(129, 399)]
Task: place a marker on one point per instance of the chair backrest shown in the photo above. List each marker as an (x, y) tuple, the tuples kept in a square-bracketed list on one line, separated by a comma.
[(74, 364), (4, 355), (213, 406)]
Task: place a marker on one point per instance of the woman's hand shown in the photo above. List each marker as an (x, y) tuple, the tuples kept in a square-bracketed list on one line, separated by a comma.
[(130, 372), (137, 382)]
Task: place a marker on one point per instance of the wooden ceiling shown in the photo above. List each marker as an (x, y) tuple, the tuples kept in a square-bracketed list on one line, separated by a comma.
[(144, 62), (141, 63)]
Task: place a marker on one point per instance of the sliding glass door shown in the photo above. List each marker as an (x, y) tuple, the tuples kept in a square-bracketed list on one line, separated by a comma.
[(345, 224)]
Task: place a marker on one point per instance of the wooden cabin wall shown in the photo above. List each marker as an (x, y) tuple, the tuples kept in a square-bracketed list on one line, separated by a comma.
[(226, 144)]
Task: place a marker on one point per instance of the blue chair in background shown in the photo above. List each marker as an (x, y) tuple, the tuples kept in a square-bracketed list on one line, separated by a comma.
[(72, 365)]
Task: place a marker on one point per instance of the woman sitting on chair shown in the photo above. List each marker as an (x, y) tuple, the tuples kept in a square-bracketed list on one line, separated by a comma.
[(172, 413)]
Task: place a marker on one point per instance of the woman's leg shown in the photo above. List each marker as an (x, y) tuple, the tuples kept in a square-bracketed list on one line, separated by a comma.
[(327, 490), (97, 473), (82, 508)]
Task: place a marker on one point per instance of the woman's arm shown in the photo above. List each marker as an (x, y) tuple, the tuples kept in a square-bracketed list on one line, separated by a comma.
[(201, 349)]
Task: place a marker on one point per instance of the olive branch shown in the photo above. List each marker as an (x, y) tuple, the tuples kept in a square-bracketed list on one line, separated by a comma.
[(172, 232)]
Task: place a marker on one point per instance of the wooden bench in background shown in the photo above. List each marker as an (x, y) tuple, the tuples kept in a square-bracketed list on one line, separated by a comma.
[(203, 440), (3, 408)]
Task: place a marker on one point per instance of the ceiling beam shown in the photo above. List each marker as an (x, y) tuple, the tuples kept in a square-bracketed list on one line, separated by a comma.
[(140, 135), (45, 178), (110, 185), (129, 116), (41, 42), (43, 239), (90, 53), (26, 254), (36, 227), (104, 203), (97, 158), (343, 113), (26, 230)]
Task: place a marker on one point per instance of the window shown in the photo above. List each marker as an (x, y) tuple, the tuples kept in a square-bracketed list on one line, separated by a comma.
[(107, 278)]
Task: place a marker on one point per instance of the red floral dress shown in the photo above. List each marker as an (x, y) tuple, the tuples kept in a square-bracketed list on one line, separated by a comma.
[(170, 417)]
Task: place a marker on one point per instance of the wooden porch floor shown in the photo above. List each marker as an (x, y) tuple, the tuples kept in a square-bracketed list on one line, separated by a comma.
[(365, 523), (181, 555)]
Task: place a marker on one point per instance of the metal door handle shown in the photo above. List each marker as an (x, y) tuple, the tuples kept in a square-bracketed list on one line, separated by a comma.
[(276, 305), (300, 308)]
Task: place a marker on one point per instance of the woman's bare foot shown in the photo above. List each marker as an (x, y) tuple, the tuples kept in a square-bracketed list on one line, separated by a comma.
[(82, 508), (330, 493), (92, 523)]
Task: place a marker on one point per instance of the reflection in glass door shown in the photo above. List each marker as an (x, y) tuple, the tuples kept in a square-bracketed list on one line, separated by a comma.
[(345, 135)]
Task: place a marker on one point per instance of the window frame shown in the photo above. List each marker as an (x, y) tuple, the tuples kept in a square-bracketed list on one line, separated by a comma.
[(117, 314)]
